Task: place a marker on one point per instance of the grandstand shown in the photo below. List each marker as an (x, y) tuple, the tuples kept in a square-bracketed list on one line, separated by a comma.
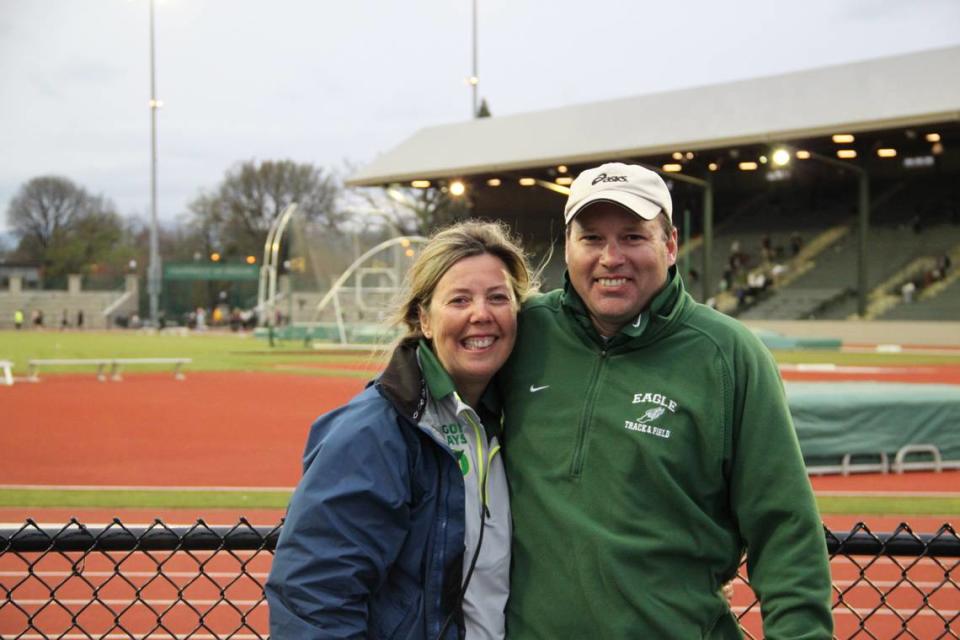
[(722, 137)]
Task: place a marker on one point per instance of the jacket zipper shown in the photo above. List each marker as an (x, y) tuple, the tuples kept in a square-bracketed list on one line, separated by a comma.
[(483, 471), (590, 398)]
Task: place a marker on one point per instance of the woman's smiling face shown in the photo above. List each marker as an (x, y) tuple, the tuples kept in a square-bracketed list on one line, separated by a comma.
[(472, 322)]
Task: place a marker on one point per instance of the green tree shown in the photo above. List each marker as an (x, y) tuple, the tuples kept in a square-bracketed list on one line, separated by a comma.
[(238, 214), (65, 229)]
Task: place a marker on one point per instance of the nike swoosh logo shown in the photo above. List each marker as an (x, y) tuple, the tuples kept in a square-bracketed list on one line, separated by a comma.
[(534, 389)]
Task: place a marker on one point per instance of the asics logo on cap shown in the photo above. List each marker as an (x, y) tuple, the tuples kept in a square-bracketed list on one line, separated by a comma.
[(605, 178)]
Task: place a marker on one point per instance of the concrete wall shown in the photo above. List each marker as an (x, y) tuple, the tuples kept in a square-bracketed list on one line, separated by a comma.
[(73, 299), (867, 331)]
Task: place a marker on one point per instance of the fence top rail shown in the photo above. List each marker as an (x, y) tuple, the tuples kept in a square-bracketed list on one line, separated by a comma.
[(34, 538), (75, 536)]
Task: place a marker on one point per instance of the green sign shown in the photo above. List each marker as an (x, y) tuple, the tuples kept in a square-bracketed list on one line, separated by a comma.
[(210, 271)]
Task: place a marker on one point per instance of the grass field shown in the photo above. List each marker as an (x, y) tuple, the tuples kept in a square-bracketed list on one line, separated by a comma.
[(212, 351), (254, 499), (220, 351)]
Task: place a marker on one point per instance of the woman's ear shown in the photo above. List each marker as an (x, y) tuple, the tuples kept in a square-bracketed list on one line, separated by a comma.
[(424, 322)]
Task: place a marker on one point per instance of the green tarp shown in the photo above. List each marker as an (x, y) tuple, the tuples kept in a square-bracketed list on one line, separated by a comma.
[(836, 418)]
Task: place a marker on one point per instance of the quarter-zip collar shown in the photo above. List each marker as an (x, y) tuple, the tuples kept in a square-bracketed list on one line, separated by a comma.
[(666, 306), (440, 385)]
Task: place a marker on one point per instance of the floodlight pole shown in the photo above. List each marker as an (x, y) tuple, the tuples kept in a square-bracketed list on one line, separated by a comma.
[(863, 219), (154, 268), (474, 79), (706, 282)]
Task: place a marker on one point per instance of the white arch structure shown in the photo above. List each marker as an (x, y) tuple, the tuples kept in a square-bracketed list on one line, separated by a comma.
[(356, 269), (267, 288)]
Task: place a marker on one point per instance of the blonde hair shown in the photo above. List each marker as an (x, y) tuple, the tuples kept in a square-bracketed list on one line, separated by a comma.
[(445, 248)]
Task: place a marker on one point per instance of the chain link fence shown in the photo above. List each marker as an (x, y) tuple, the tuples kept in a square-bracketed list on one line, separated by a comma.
[(206, 582)]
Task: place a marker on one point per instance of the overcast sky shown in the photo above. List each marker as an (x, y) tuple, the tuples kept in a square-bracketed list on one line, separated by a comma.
[(330, 82)]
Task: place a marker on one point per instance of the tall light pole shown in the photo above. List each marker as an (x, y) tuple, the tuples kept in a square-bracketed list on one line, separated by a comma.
[(474, 78), (781, 157), (154, 269)]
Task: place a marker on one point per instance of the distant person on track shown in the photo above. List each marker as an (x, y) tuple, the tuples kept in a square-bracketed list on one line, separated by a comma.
[(649, 445), (18, 319), (400, 526)]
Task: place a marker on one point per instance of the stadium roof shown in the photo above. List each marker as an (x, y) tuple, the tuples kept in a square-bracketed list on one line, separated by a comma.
[(899, 91)]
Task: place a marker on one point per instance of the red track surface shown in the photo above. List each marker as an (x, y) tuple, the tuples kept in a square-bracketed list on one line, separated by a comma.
[(927, 374), (212, 429)]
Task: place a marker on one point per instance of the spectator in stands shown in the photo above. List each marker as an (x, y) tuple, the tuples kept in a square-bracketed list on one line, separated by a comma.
[(766, 248), (907, 290), (401, 524), (796, 243), (943, 264)]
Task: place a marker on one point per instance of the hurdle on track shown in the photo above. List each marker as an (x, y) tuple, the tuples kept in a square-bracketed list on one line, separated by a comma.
[(114, 365)]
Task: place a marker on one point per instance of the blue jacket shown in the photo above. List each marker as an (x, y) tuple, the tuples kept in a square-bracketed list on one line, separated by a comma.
[(372, 545)]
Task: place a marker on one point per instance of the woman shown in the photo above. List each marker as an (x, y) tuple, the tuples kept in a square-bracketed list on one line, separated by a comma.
[(400, 527)]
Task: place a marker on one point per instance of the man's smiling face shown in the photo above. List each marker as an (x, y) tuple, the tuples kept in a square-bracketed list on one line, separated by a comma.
[(617, 262)]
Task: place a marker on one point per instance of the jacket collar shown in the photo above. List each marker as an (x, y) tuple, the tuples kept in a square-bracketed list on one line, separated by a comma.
[(414, 371), (663, 309)]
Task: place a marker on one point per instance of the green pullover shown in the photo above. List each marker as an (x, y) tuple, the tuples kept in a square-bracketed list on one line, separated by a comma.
[(643, 467)]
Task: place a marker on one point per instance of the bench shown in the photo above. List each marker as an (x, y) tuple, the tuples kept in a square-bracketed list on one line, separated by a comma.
[(115, 365), (6, 369)]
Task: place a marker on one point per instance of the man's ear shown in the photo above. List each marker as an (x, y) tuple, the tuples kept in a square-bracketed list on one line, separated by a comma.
[(672, 247)]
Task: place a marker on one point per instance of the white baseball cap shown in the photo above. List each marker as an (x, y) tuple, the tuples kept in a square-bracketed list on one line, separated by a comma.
[(636, 188)]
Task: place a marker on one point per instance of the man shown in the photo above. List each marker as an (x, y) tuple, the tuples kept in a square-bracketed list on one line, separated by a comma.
[(649, 445)]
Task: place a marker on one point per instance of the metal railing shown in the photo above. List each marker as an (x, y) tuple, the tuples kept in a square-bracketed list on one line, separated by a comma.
[(206, 582)]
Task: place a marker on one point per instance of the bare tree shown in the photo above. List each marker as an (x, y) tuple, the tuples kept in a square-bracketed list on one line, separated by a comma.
[(49, 206), (252, 195), (410, 211)]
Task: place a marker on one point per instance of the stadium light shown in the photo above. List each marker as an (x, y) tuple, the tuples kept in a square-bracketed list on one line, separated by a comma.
[(215, 257), (781, 157), (457, 188), (251, 260), (420, 184)]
